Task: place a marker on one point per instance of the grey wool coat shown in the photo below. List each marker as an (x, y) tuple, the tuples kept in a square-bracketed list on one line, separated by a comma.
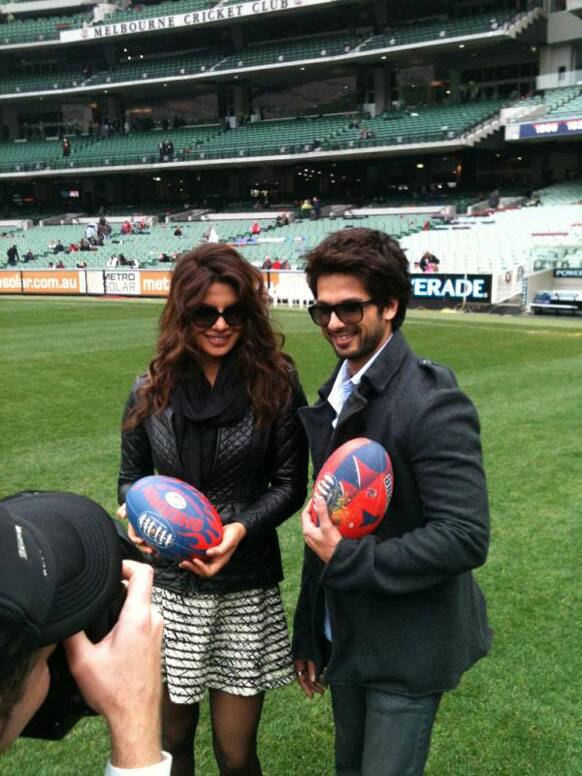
[(406, 613)]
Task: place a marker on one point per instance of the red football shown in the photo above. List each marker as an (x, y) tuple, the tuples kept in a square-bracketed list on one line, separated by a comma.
[(173, 517), (356, 482)]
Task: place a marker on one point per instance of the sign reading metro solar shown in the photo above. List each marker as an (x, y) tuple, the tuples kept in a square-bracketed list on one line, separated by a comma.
[(190, 19)]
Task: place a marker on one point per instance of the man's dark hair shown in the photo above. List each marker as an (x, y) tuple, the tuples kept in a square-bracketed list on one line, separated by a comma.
[(374, 257), (16, 663)]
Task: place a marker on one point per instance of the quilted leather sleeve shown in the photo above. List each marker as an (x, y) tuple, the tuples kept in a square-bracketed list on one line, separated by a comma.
[(136, 454), (288, 476)]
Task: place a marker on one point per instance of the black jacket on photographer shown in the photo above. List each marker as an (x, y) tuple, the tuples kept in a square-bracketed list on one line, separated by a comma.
[(406, 613), (256, 476)]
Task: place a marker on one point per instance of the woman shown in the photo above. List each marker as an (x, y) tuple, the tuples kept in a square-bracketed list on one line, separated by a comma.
[(217, 409)]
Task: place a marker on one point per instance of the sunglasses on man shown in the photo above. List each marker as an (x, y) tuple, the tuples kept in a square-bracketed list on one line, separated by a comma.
[(351, 311), (206, 315)]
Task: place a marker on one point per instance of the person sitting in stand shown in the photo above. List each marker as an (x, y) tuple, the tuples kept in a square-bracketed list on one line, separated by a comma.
[(28, 256), (267, 264), (60, 264), (212, 235), (255, 228), (178, 231), (276, 264)]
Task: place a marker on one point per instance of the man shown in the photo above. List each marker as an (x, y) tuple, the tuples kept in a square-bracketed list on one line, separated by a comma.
[(60, 570), (395, 617), (12, 254)]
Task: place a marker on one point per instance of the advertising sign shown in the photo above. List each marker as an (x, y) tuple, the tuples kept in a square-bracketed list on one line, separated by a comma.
[(10, 283), (447, 288), (561, 128), (52, 282), (122, 282), (575, 272), (155, 283)]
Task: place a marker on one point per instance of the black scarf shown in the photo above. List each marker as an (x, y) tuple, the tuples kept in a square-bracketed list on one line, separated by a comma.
[(200, 409)]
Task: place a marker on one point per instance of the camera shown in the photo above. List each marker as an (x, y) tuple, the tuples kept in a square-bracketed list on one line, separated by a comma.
[(64, 705)]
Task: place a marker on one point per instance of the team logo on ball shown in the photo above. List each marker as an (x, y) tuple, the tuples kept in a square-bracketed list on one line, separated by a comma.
[(356, 483), (175, 500)]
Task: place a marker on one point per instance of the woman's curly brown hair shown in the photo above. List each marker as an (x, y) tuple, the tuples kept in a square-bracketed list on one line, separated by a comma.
[(263, 368)]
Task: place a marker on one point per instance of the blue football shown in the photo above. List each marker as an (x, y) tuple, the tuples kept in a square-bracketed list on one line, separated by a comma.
[(173, 517)]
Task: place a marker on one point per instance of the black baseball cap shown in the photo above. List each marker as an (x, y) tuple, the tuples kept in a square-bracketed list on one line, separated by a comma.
[(60, 564)]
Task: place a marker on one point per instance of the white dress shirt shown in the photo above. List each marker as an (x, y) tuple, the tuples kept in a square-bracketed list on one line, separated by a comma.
[(343, 386)]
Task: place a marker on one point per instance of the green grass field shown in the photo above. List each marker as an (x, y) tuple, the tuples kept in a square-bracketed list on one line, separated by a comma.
[(66, 370)]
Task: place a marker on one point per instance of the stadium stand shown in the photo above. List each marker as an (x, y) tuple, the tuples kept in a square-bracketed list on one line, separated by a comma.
[(400, 35), (500, 242), (396, 110), (280, 136), (566, 193), (40, 29)]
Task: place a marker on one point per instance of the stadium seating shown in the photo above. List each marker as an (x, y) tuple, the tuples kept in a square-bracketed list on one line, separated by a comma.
[(167, 8), (287, 242), (162, 67), (569, 109), (498, 243), (420, 124), (145, 247), (567, 193), (315, 47), (55, 80), (405, 34), (44, 28), (281, 136)]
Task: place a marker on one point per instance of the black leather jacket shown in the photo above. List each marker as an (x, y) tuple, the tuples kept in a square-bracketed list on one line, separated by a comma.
[(258, 478)]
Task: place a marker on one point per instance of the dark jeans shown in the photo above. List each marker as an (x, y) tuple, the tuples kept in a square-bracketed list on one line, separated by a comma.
[(379, 733)]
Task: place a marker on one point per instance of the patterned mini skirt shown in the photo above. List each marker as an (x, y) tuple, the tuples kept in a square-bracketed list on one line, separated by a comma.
[(235, 642)]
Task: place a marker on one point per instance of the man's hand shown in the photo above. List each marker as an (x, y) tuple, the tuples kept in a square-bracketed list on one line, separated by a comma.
[(305, 673), (120, 677), (322, 538), (217, 557)]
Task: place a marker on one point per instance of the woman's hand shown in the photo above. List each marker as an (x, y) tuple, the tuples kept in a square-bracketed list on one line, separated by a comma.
[(217, 557), (137, 540)]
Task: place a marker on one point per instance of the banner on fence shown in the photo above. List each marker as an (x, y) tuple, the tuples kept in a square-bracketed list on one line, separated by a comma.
[(10, 283), (52, 282), (155, 283)]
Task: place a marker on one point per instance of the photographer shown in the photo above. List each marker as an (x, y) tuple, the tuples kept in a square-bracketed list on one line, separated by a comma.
[(60, 571)]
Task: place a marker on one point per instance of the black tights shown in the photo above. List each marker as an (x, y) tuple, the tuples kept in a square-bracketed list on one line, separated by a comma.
[(235, 721)]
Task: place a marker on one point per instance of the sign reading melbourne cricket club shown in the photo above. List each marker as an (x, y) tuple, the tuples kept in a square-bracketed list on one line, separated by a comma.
[(190, 19), (446, 288)]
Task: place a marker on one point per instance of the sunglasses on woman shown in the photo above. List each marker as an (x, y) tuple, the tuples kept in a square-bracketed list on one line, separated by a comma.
[(348, 312), (206, 316)]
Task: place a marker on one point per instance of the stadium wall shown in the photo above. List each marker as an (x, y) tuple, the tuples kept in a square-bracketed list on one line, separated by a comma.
[(428, 290)]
